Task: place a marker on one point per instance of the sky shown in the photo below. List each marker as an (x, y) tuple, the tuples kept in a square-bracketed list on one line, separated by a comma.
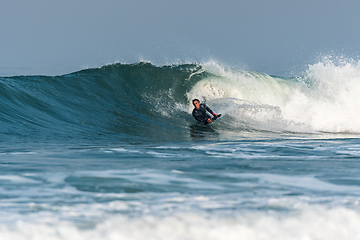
[(53, 37)]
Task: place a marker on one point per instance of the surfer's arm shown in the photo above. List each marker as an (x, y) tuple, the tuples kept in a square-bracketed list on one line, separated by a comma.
[(210, 111)]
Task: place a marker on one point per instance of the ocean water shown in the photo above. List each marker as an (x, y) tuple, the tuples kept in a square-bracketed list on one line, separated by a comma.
[(114, 153)]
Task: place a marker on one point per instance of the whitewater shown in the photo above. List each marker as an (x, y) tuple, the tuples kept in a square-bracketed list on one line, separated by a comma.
[(114, 153)]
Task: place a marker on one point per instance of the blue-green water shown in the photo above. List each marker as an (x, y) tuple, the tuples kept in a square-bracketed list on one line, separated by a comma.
[(114, 153)]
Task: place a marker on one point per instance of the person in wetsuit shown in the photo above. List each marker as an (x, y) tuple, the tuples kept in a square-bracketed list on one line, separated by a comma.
[(200, 114)]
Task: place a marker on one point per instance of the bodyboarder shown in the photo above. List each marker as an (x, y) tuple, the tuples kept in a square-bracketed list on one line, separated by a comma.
[(200, 114)]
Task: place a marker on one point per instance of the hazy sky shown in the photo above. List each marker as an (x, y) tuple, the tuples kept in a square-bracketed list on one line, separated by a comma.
[(273, 36)]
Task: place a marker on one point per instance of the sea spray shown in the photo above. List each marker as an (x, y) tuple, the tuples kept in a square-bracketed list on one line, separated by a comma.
[(323, 99), (329, 102)]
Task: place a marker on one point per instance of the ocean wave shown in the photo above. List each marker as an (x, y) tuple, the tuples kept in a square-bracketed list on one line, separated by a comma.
[(135, 101)]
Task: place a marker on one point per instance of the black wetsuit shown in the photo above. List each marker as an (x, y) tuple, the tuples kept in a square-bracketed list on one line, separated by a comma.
[(201, 115)]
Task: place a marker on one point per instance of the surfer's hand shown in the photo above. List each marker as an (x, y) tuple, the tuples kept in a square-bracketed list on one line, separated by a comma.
[(208, 120)]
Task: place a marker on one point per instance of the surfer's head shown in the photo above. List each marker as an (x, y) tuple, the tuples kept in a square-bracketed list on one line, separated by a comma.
[(196, 103)]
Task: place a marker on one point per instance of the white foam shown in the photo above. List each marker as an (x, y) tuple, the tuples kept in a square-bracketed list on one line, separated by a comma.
[(325, 99), (23, 153), (120, 149), (17, 179), (313, 223), (163, 155), (305, 182)]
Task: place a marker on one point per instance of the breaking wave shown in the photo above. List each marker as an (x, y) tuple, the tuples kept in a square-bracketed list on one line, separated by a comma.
[(143, 101)]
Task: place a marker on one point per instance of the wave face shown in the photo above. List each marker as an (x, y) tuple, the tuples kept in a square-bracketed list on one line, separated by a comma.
[(119, 100), (143, 101)]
